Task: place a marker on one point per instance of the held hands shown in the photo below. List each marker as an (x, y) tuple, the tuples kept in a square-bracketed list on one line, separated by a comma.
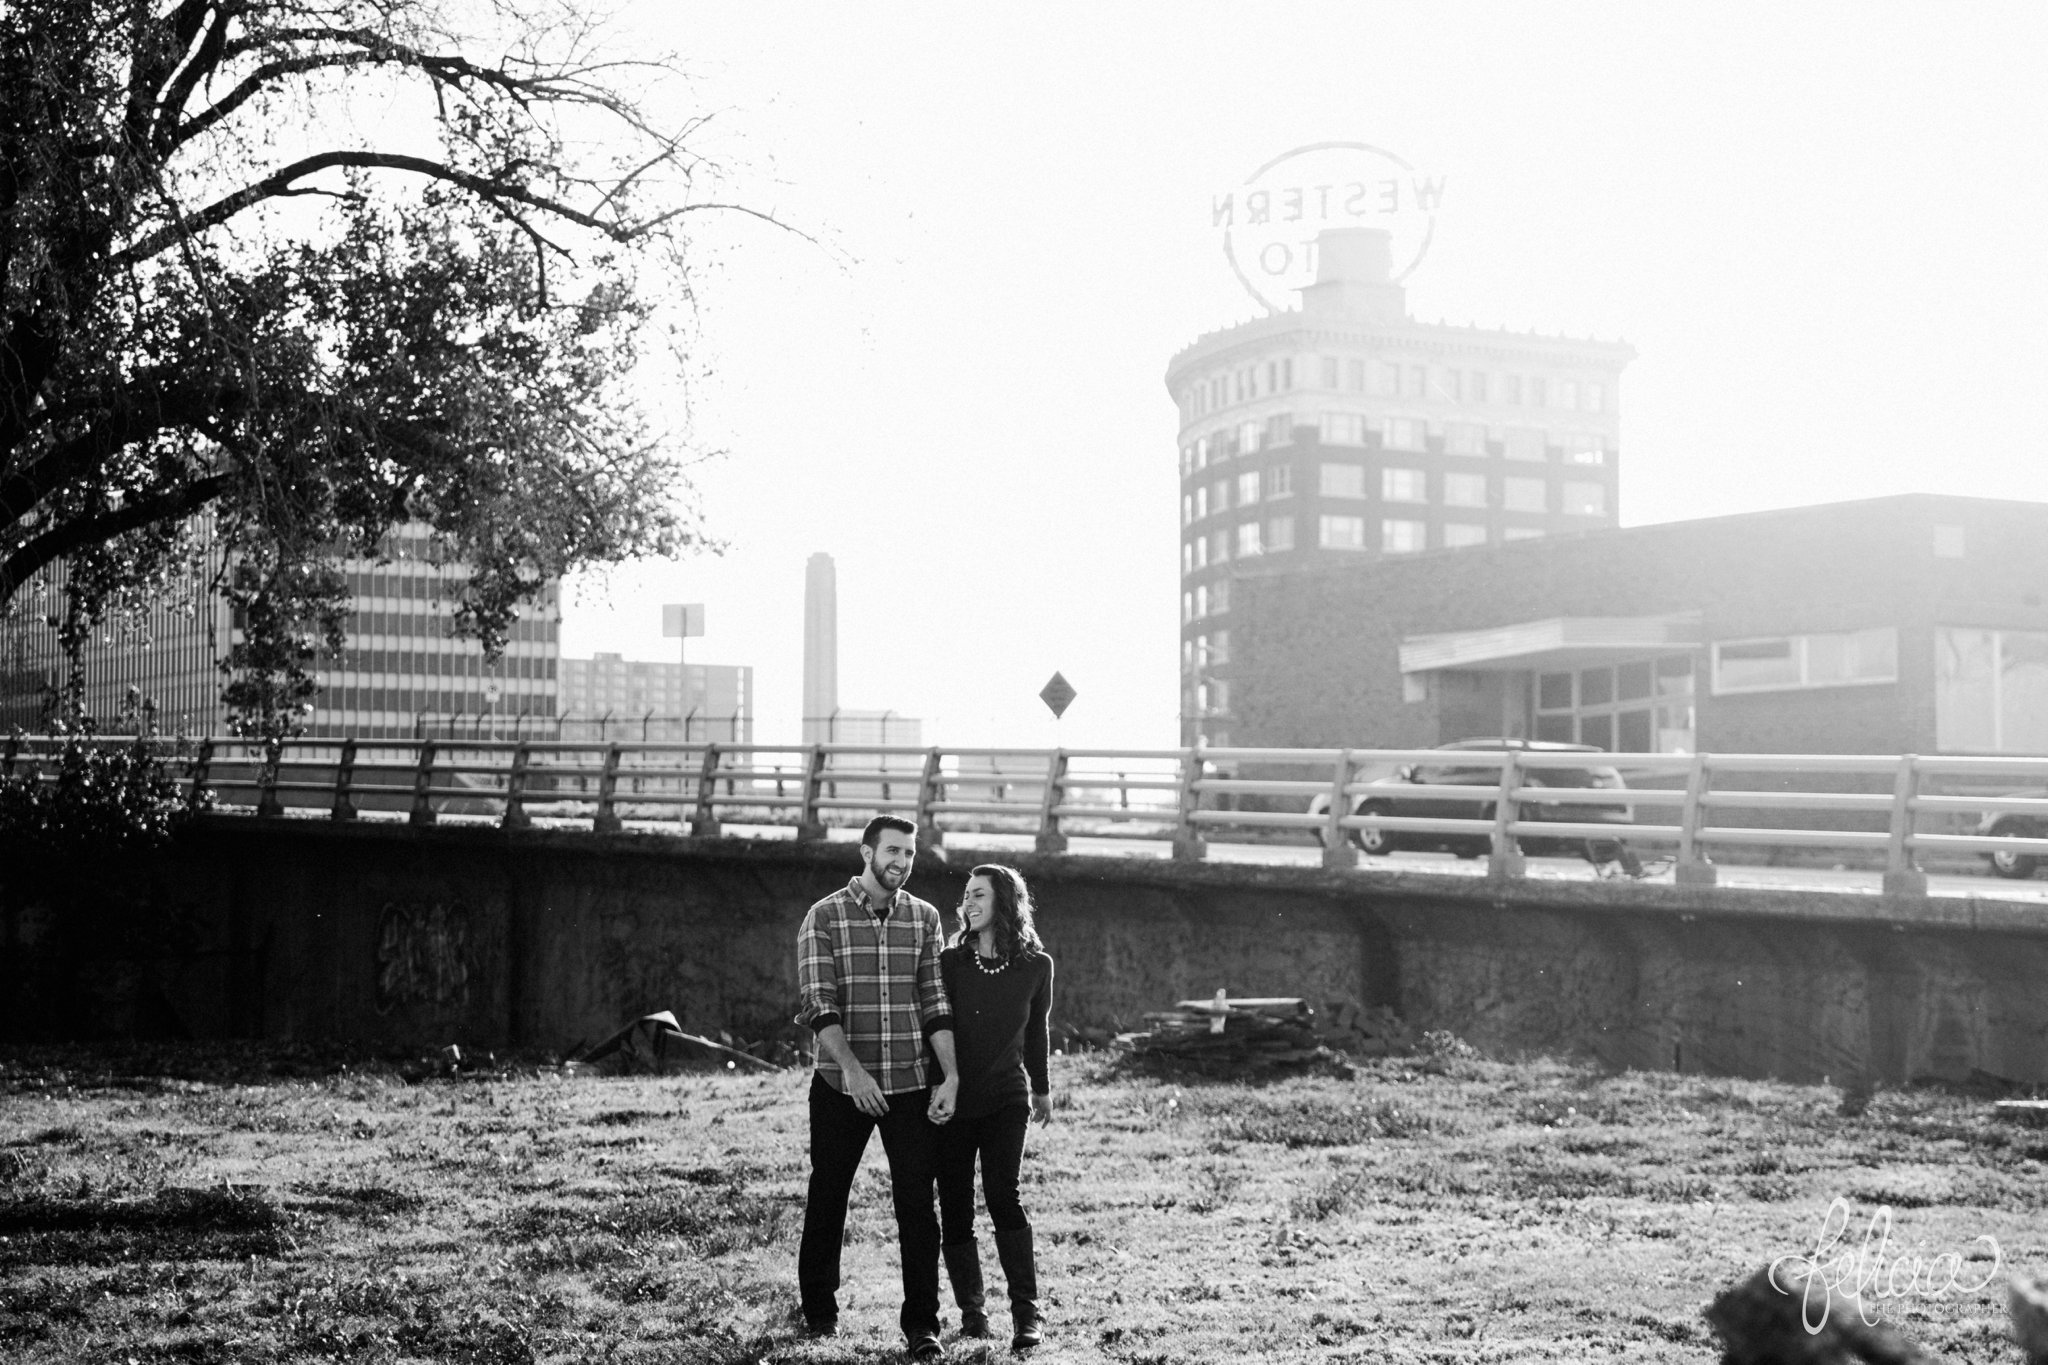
[(945, 1095), (1041, 1109)]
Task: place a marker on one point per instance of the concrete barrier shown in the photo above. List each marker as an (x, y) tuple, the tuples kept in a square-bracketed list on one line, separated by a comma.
[(405, 936)]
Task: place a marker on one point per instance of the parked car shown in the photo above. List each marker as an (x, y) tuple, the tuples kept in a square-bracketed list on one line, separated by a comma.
[(2015, 825), (1391, 795)]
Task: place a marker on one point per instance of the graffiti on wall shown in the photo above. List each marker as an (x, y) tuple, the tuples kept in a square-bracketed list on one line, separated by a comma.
[(422, 956)]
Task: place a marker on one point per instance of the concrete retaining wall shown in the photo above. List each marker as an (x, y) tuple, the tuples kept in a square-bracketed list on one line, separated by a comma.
[(417, 937)]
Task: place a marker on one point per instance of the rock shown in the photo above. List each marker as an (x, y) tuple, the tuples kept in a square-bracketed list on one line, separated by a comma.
[(1764, 1321)]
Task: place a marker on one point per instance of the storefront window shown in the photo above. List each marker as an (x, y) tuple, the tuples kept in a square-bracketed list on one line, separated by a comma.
[(1642, 706), (1991, 690)]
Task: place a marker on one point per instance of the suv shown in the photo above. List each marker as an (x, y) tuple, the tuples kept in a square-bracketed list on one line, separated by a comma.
[(1389, 796)]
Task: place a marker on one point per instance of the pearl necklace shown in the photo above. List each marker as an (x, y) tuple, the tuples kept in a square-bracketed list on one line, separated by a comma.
[(982, 963)]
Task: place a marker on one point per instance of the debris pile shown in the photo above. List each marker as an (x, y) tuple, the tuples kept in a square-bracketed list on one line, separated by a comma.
[(656, 1042), (1222, 1035)]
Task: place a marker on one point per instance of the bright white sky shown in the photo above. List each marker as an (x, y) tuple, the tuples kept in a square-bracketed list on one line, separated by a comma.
[(1822, 227)]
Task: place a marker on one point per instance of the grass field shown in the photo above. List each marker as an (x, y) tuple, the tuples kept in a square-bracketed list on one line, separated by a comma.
[(201, 1207)]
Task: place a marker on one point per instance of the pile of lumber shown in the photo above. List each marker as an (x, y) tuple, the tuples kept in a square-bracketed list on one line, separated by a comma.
[(1262, 1033)]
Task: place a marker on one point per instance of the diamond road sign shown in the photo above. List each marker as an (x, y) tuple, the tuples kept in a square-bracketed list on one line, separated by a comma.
[(1058, 694)]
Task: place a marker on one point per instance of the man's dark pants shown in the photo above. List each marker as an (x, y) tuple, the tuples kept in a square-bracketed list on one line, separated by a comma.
[(839, 1135)]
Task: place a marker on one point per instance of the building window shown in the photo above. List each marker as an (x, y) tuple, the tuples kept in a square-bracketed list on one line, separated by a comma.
[(1248, 488), (1187, 510), (1416, 382), (1219, 548), (1567, 393), (1464, 438), (1341, 533), (1403, 537), (1524, 443), (1279, 481), (1279, 430), (1539, 393), (1991, 690), (1477, 389), (1343, 429), (1219, 647), (1222, 444), (1402, 433), (1643, 706), (1450, 384), (1219, 597), (1792, 661), (1187, 461), (1187, 607), (1596, 398), (1201, 502), (1354, 375), (1522, 533), (1201, 552), (1219, 496), (1247, 437), (1525, 495), (1465, 490), (1585, 499), (1248, 539), (1329, 372), (1462, 533), (1582, 448), (1511, 389), (1404, 485), (1279, 534), (1187, 559), (1386, 379), (1341, 480)]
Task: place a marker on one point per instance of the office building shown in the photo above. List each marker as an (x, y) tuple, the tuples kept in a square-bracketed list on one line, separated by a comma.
[(403, 672), (607, 694), (1347, 432)]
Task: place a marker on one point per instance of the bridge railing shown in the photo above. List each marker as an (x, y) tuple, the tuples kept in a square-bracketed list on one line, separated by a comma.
[(1485, 803)]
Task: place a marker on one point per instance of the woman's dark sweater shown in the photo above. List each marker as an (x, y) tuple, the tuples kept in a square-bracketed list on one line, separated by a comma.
[(999, 1029)]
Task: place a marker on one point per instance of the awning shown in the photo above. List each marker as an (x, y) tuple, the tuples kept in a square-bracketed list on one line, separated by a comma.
[(1561, 642)]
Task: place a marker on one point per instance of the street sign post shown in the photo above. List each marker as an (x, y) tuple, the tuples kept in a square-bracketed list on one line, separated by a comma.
[(680, 621)]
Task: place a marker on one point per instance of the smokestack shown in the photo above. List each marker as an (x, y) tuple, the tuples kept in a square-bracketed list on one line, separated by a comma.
[(821, 647)]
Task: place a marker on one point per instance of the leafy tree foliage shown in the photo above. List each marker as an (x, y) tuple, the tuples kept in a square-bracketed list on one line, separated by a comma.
[(78, 797), (220, 294)]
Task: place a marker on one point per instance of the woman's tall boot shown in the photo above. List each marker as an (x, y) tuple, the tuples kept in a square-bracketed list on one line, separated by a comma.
[(1020, 1270), (963, 1268)]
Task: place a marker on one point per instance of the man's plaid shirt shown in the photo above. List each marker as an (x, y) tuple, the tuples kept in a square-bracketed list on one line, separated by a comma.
[(877, 978)]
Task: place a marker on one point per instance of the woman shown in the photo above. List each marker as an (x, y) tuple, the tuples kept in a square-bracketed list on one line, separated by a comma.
[(999, 980)]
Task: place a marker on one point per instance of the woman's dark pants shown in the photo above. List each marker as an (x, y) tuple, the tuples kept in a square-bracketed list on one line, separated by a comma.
[(998, 1139), (839, 1135)]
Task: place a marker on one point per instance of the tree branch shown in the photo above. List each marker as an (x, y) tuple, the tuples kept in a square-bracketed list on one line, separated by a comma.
[(279, 183), (63, 539)]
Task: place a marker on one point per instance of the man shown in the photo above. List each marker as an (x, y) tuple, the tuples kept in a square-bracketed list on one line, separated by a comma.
[(868, 974)]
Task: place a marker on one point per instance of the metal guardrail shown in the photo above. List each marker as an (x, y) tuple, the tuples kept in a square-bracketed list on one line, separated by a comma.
[(1898, 807)]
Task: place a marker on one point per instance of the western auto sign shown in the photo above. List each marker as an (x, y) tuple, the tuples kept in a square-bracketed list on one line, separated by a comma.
[(1269, 223)]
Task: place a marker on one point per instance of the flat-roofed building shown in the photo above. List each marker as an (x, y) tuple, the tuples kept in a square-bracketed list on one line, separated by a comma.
[(1345, 431)]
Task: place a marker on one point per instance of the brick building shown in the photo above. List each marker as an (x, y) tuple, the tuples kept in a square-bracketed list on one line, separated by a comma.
[(1346, 431), (1911, 624)]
